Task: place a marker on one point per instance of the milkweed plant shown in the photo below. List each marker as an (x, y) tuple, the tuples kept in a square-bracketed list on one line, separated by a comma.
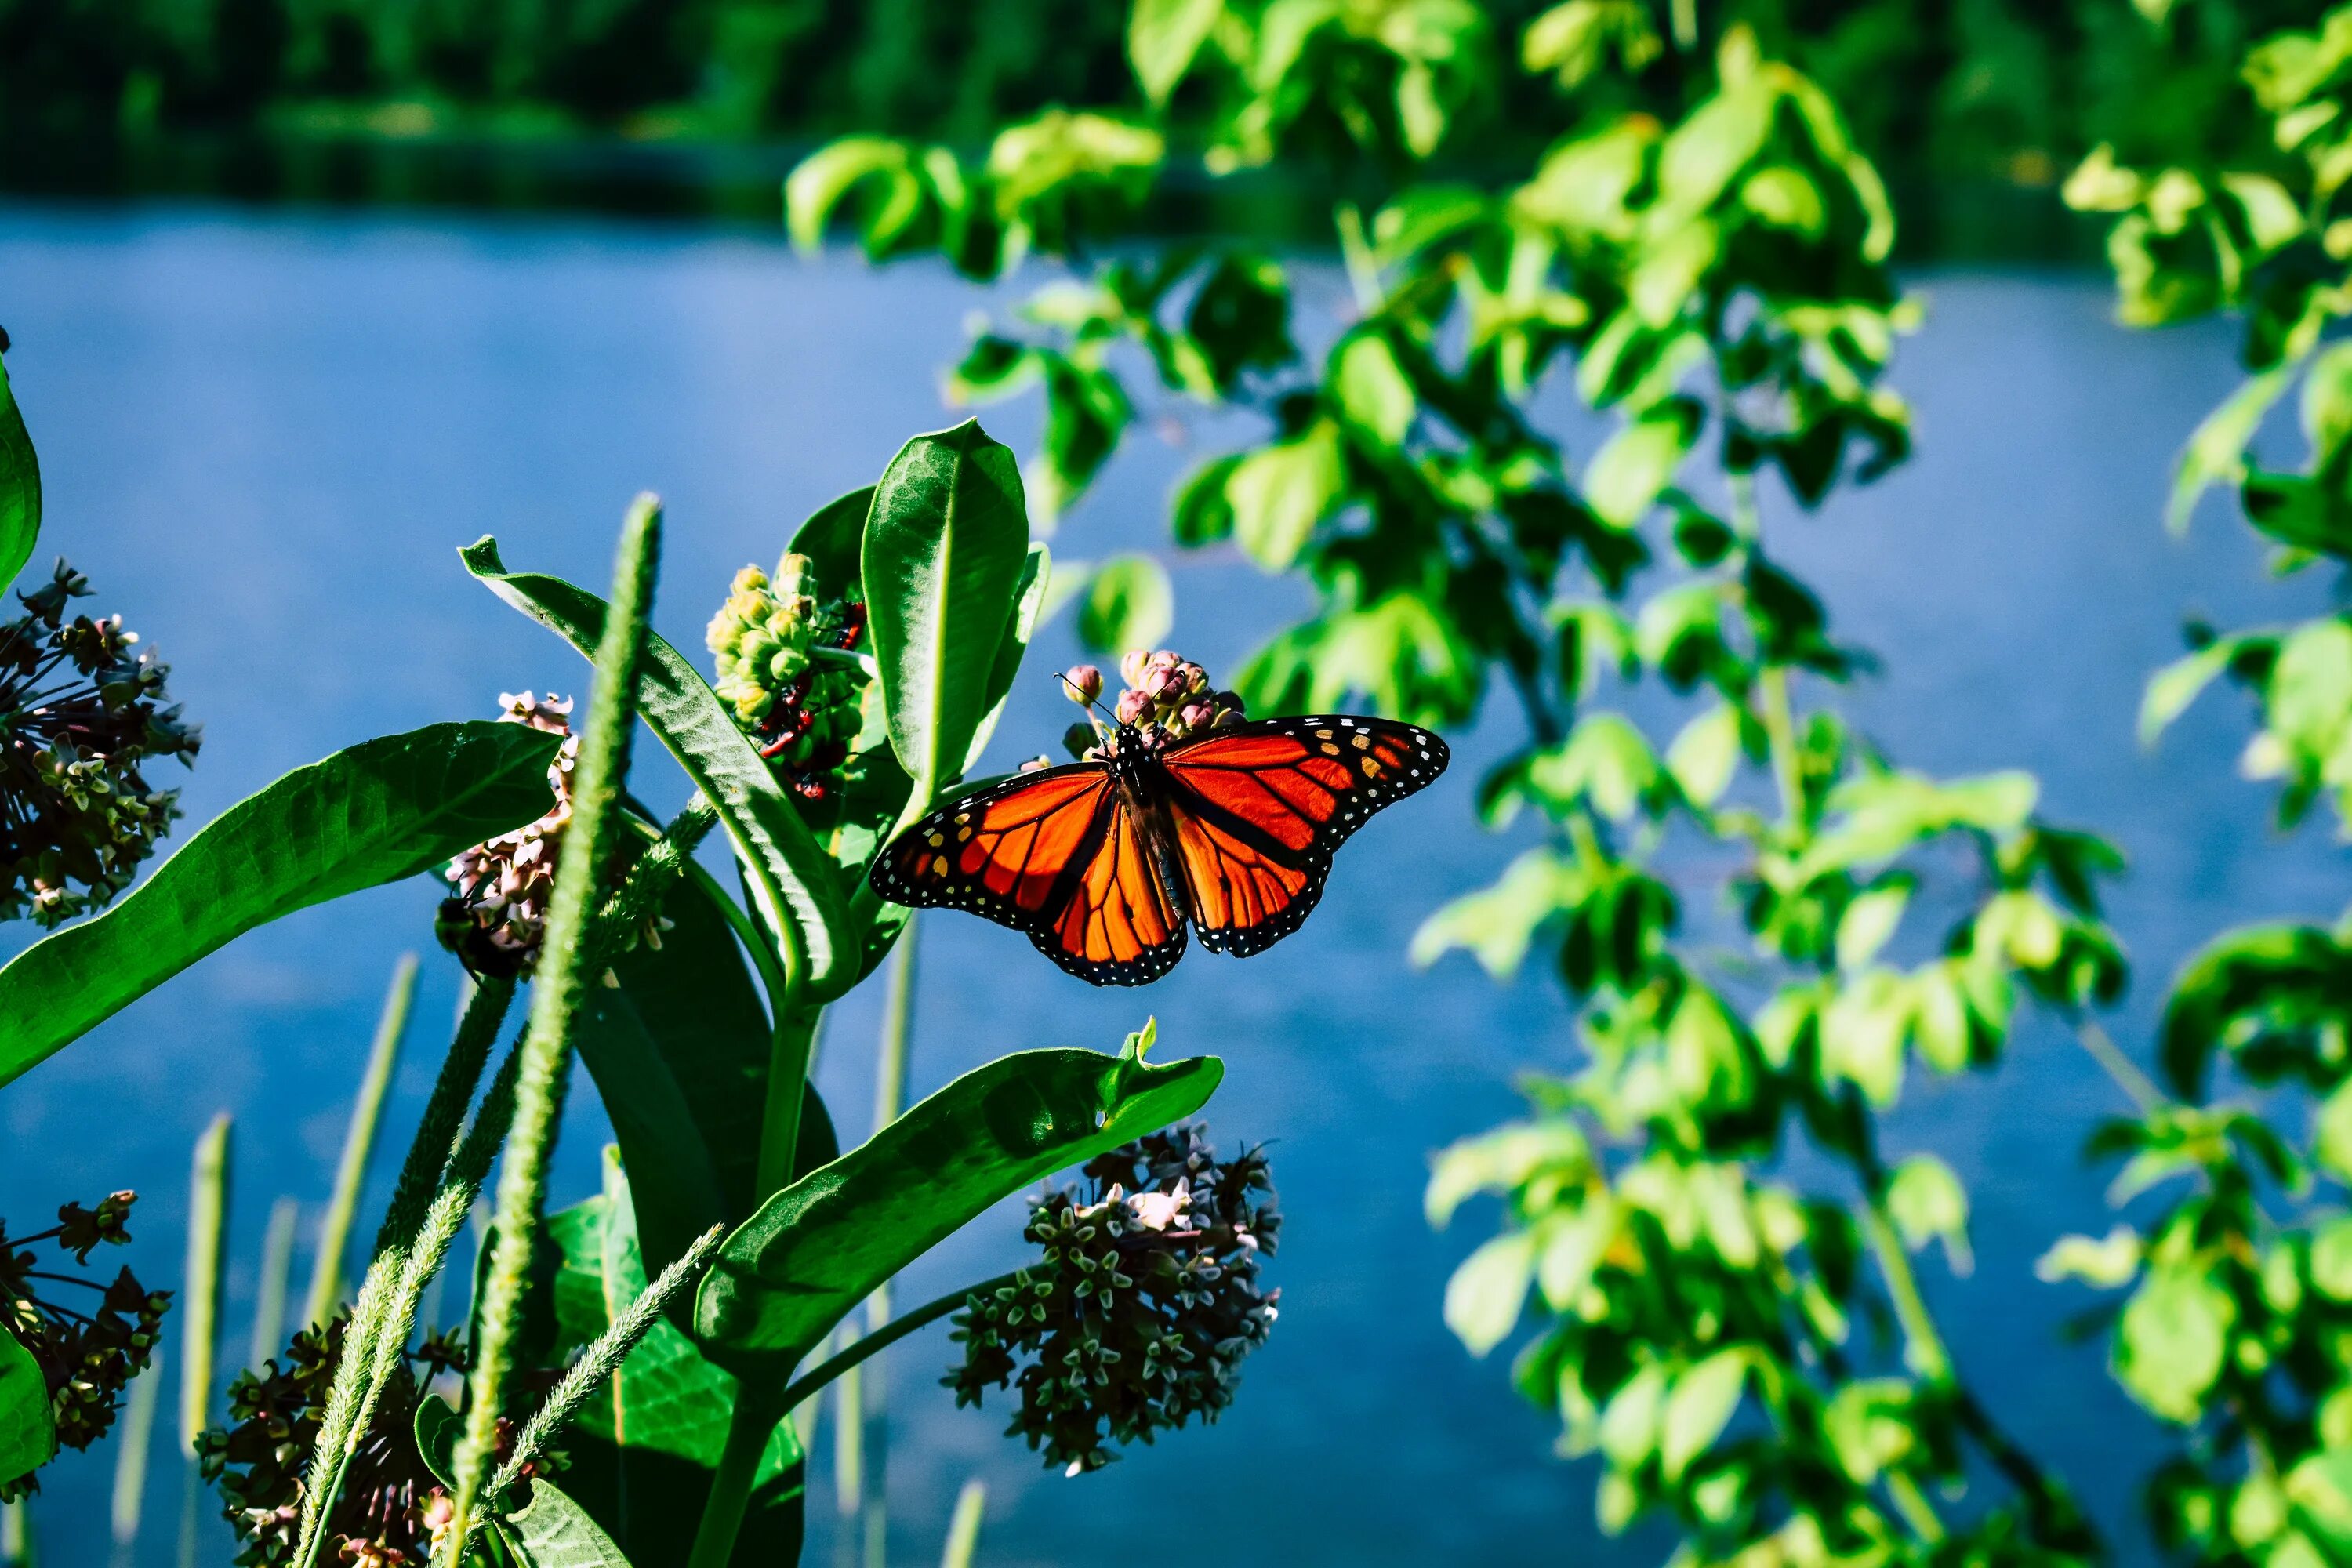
[(618, 1390)]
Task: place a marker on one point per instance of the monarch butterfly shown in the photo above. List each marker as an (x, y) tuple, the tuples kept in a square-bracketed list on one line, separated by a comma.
[(1103, 864)]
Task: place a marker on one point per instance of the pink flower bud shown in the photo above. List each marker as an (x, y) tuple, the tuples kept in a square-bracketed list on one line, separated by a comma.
[(1165, 686), (1196, 716), (1131, 667), (1132, 707), (1083, 683)]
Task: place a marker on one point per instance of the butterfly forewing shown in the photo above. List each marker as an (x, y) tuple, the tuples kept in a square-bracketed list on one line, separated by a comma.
[(1256, 811), (1056, 855)]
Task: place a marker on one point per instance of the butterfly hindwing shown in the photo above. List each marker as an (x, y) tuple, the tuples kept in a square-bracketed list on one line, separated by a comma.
[(1055, 854), (1257, 809)]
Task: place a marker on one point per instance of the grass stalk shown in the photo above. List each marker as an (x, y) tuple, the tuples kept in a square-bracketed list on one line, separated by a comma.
[(963, 1529), (200, 1304), (850, 1428), (889, 1103), (16, 1533), (131, 1453), (558, 993), (359, 1145), (277, 1275)]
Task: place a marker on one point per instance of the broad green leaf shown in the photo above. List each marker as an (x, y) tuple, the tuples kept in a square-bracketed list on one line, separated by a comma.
[(832, 537), (1870, 1424), (1162, 37), (20, 486), (1277, 494), (643, 1451), (551, 1531), (2332, 1132), (792, 879), (1484, 1297), (820, 1246), (29, 1429), (380, 811), (1698, 1408), (946, 550), (1128, 603), (1639, 461), (1496, 925), (2171, 1340), (1629, 1427), (2331, 1260), (2247, 987), (1573, 1247), (1705, 754)]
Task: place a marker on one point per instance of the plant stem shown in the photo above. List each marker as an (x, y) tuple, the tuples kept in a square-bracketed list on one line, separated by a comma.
[(558, 996), (1912, 1504), (1355, 253), (922, 1317), (1923, 1349), (130, 1456), (199, 1328), (963, 1529), (1686, 24), (1780, 732), (2136, 1086), (755, 1416), (889, 1103), (788, 1062), (359, 1145)]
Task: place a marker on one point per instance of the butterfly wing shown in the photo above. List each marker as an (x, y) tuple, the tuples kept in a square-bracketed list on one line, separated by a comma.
[(1257, 809), (1057, 856)]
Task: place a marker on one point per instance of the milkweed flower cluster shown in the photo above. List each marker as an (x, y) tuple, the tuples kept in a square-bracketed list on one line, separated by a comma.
[(1142, 1307), (383, 1515), (87, 1357), (80, 710), (1167, 698), (497, 918), (770, 638)]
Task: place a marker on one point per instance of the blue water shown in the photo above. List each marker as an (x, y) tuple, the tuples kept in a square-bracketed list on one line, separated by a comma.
[(263, 436)]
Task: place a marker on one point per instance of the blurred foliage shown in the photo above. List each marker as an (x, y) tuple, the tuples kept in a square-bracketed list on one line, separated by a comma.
[(2239, 1259), (2004, 89), (1702, 253)]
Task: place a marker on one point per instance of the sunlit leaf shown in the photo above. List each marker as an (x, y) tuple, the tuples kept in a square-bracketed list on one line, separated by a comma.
[(1162, 37), (1277, 494), (380, 811), (1128, 603), (1484, 1297), (29, 1431), (20, 486), (820, 1246)]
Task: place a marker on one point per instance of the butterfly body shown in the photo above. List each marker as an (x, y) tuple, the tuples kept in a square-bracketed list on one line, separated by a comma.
[(1106, 865)]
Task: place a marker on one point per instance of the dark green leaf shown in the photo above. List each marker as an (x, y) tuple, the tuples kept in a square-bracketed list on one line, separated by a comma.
[(29, 1431), (643, 1452), (2249, 990), (832, 537), (792, 877), (945, 553), (383, 810), (20, 486), (551, 1531), (821, 1246)]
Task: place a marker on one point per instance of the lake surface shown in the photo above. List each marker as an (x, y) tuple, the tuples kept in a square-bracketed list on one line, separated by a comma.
[(263, 436)]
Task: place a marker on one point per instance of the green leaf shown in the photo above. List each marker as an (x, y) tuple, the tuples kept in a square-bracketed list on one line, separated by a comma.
[(1496, 925), (1278, 493), (2331, 1260), (1699, 1408), (1573, 1245), (1869, 922), (643, 1452), (2171, 689), (2216, 453), (1629, 1427), (2171, 1340), (679, 1050), (380, 811), (2106, 1261), (1639, 461), (29, 1429), (946, 551), (1484, 1297), (819, 183), (832, 539), (1705, 754), (20, 486), (2332, 1132), (551, 1531), (1371, 387), (1927, 1204), (820, 1246), (1162, 37), (1033, 592), (1503, 1160), (2248, 985), (1128, 603), (792, 879)]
